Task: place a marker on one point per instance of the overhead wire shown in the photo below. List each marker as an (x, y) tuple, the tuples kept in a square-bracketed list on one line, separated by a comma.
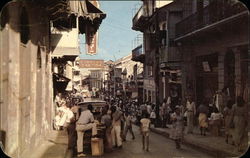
[(117, 27), (118, 22)]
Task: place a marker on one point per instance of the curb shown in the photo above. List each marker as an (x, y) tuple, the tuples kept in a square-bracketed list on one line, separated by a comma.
[(204, 148)]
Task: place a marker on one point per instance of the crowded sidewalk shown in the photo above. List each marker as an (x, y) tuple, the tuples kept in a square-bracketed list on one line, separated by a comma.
[(214, 145)]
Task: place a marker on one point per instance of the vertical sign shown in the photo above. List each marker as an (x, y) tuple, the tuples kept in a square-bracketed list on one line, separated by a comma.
[(91, 35), (91, 41)]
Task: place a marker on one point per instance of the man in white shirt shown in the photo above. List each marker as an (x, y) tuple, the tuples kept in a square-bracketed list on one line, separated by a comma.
[(149, 108), (62, 110), (84, 123), (191, 111), (145, 124), (152, 117), (116, 127), (70, 126)]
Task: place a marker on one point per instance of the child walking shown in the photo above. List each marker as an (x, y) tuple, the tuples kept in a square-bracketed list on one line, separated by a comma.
[(145, 124), (178, 127), (128, 126)]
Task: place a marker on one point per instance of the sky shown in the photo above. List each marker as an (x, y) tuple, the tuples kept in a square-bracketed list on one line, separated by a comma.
[(115, 33)]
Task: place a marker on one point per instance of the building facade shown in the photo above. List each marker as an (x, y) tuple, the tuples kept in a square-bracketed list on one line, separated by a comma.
[(30, 70), (156, 20), (89, 71), (213, 37), (198, 48), (126, 78)]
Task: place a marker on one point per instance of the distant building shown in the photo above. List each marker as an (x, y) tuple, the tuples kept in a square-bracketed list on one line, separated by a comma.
[(96, 79), (89, 70), (126, 77), (154, 20)]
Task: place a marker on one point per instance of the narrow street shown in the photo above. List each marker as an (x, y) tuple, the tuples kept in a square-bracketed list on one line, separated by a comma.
[(159, 147), (75, 75)]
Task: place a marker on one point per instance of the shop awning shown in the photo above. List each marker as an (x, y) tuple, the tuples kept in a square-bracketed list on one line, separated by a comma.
[(85, 10)]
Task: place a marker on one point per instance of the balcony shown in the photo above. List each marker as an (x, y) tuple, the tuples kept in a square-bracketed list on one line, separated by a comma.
[(140, 19), (138, 51), (138, 54), (217, 11), (170, 57)]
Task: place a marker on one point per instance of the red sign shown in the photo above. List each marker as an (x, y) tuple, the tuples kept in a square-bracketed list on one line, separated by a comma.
[(91, 40)]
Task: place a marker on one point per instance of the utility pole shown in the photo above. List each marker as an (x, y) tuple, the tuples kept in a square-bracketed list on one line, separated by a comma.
[(157, 71), (114, 83), (114, 77)]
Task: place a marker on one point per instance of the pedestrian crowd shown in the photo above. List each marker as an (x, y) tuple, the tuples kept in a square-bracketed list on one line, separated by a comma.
[(183, 115), (119, 115)]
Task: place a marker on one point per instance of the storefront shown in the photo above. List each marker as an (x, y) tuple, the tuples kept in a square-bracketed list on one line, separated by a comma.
[(206, 77)]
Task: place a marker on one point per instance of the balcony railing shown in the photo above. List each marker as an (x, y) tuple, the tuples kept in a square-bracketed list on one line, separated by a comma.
[(138, 54), (139, 19), (214, 12)]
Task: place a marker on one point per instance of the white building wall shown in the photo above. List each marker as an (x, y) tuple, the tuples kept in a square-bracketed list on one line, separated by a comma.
[(161, 3)]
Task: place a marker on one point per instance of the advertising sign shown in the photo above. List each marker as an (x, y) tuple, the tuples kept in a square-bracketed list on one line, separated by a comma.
[(91, 42), (85, 63)]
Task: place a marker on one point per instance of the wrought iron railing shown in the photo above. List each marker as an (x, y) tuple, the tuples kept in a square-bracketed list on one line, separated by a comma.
[(214, 12), (137, 51)]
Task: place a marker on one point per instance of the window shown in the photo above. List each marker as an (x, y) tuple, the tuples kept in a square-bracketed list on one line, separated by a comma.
[(150, 70), (163, 35), (164, 26)]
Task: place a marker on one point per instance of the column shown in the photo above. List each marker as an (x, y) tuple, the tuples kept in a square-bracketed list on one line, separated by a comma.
[(221, 57), (237, 72), (221, 80)]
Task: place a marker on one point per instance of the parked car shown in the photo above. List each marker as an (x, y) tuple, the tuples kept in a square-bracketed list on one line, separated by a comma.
[(76, 99), (97, 106)]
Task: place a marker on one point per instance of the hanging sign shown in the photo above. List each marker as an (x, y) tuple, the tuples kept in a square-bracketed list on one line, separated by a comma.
[(91, 41)]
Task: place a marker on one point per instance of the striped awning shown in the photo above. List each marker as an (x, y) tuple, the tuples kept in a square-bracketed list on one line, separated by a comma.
[(88, 14), (62, 9)]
